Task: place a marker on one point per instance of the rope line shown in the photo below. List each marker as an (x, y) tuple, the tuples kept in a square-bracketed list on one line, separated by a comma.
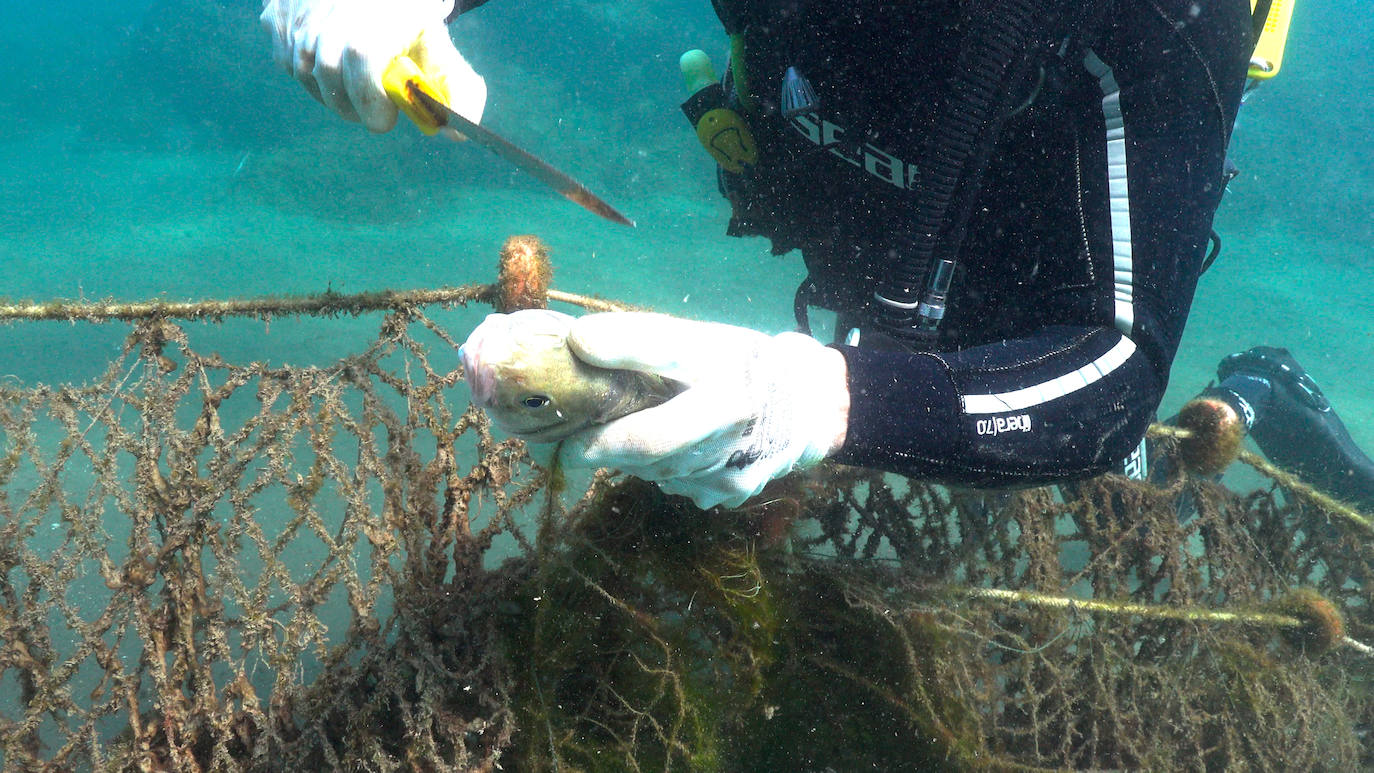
[(326, 304)]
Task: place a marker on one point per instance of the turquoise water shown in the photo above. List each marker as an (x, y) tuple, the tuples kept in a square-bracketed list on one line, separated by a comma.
[(158, 152), (152, 149), (125, 124)]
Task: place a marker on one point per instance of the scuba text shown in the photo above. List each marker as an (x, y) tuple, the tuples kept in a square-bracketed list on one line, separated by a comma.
[(893, 255)]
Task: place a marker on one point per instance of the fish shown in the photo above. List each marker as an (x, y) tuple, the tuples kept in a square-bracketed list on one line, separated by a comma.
[(524, 374)]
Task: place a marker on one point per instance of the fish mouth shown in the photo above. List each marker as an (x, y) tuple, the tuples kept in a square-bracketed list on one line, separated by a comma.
[(480, 353), (481, 378), (552, 432)]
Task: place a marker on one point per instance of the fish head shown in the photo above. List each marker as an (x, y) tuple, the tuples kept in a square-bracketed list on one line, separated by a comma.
[(524, 374)]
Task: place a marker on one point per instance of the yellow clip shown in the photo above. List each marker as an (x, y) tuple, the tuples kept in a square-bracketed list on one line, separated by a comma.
[(397, 78), (727, 138), (1268, 56)]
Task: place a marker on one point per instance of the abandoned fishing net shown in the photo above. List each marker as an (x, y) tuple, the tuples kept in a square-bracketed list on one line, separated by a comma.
[(234, 566)]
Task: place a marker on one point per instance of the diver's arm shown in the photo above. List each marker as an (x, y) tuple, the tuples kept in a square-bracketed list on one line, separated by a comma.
[(999, 414), (1068, 400)]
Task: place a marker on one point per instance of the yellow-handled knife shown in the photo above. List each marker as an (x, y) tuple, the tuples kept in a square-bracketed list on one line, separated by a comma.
[(414, 94)]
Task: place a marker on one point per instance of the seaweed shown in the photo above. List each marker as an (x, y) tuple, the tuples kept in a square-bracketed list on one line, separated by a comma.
[(216, 566)]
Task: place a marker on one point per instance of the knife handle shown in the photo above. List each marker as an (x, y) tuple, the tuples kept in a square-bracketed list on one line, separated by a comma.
[(400, 75)]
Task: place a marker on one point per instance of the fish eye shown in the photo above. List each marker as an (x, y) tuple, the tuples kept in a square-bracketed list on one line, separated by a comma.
[(535, 401)]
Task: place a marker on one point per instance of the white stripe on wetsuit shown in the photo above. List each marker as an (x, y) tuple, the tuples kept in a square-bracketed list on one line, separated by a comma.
[(1018, 399), (1119, 192), (1123, 275)]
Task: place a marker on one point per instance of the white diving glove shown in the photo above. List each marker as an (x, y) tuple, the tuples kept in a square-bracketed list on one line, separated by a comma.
[(338, 50), (755, 407)]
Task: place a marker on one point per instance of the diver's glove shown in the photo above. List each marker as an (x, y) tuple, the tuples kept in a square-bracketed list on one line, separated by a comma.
[(755, 406), (338, 50)]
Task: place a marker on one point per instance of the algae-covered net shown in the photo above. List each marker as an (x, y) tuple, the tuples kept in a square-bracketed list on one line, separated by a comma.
[(209, 565)]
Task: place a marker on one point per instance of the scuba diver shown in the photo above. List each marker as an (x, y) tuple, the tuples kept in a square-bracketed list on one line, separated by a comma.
[(1006, 202), (1289, 417)]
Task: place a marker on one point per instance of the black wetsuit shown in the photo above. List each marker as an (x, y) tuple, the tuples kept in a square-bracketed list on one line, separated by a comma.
[(1082, 254), (463, 6)]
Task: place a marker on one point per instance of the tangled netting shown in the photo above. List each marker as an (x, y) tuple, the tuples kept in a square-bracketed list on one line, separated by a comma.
[(216, 566)]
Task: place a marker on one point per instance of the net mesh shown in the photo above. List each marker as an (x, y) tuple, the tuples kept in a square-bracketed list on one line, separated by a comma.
[(208, 565)]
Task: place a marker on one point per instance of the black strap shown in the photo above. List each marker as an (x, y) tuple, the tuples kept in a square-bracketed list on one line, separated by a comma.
[(801, 303), (1260, 17), (998, 52), (463, 6), (730, 14)]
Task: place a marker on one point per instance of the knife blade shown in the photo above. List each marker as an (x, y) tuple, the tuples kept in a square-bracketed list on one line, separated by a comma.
[(415, 95)]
